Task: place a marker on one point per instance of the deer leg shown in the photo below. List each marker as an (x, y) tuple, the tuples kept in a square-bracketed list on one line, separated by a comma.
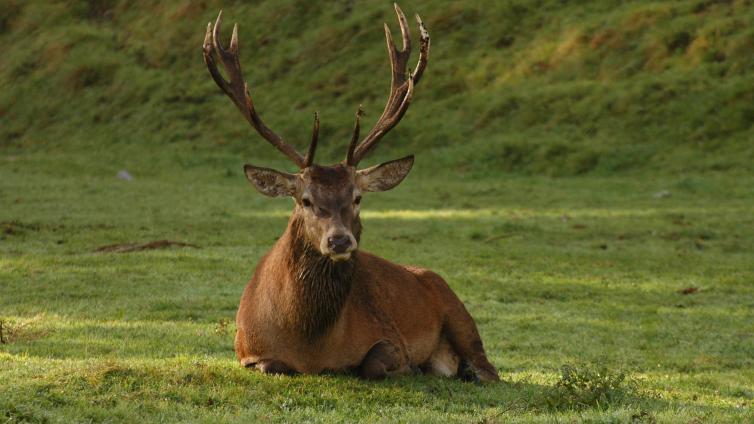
[(464, 337), (382, 360), (272, 366), (443, 361), (460, 330)]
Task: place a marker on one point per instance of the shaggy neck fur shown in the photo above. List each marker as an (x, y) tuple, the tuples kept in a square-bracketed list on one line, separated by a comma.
[(321, 286)]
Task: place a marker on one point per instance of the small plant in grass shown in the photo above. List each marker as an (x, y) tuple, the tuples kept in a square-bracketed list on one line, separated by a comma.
[(643, 417), (24, 330), (588, 386), (221, 328)]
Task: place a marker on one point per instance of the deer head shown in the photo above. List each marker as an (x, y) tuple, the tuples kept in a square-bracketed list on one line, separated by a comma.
[(327, 198)]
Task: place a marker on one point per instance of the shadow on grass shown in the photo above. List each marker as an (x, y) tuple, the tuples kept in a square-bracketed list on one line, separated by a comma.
[(206, 386)]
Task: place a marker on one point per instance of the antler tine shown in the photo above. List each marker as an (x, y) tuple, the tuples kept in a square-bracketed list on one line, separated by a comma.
[(234, 40), (398, 59), (210, 61), (354, 138), (309, 160), (405, 34), (423, 50), (237, 88), (401, 87)]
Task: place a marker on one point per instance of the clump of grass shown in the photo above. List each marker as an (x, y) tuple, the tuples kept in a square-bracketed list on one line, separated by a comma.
[(21, 330), (589, 386), (643, 417), (8, 12), (221, 328), (109, 373)]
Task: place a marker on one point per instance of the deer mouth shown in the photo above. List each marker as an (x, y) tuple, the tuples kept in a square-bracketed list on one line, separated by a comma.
[(337, 257), (341, 254)]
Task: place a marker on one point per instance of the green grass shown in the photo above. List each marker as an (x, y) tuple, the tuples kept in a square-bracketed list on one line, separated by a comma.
[(544, 131), (582, 271)]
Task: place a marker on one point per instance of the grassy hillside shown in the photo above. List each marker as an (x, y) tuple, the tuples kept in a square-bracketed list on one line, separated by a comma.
[(534, 86)]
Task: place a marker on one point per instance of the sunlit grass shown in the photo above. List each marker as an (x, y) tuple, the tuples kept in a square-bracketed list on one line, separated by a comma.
[(563, 213)]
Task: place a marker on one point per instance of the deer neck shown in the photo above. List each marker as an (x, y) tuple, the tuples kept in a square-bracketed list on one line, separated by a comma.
[(319, 286)]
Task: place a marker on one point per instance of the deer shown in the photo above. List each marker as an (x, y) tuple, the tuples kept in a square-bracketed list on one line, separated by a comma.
[(318, 304)]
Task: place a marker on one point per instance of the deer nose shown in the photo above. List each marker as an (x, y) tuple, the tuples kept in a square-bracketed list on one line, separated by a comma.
[(339, 243)]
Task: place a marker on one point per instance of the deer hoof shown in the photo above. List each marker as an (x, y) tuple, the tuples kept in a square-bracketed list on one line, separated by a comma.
[(472, 374)]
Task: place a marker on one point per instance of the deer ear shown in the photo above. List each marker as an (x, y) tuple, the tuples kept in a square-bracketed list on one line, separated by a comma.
[(384, 176), (271, 182)]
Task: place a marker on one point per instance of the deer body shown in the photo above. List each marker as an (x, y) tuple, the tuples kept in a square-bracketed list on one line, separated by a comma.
[(316, 303), (403, 306)]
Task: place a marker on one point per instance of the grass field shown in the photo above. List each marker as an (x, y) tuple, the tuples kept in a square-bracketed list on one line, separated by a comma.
[(583, 181), (582, 271)]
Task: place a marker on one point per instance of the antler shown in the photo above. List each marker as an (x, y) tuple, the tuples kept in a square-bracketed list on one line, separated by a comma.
[(401, 87), (238, 91)]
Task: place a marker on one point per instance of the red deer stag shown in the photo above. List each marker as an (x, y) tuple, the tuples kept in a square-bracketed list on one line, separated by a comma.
[(315, 302)]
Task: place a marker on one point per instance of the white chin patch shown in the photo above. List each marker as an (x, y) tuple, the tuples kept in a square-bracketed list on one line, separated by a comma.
[(335, 257)]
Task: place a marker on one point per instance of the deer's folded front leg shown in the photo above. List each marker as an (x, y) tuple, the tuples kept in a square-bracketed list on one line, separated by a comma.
[(382, 360)]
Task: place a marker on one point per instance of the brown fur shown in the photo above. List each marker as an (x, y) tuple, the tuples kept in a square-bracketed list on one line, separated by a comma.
[(322, 286)]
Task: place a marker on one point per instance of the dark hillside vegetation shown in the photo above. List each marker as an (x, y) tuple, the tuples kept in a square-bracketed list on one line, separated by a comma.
[(541, 86)]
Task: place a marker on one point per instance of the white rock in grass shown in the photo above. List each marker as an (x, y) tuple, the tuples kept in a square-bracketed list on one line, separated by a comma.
[(124, 175), (661, 194)]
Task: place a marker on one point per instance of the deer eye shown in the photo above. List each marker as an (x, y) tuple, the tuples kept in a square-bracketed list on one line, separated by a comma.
[(306, 202), (357, 200)]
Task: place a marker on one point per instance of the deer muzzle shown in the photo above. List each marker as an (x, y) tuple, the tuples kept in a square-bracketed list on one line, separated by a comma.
[(339, 246)]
